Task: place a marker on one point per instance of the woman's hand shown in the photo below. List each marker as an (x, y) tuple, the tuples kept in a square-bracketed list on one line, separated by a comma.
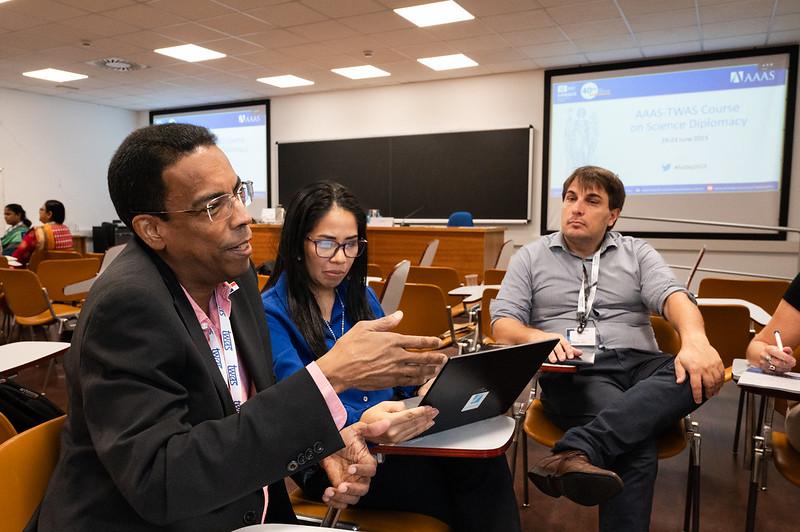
[(773, 360), (404, 423)]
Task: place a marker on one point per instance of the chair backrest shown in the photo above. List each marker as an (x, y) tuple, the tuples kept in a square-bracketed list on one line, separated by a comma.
[(493, 276), (504, 257), (430, 253), (486, 316), (425, 311), (26, 463), (394, 286), (23, 291), (57, 274), (444, 277), (374, 270), (40, 255), (460, 219), (7, 430), (262, 282), (766, 293), (667, 337), (727, 329)]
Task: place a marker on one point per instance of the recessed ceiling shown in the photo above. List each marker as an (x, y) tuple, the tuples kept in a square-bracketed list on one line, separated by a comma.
[(308, 38)]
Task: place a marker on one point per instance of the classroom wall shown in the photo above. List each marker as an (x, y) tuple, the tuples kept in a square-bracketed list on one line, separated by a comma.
[(493, 102), (53, 148)]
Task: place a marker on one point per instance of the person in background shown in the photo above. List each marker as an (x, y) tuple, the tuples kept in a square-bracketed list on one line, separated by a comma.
[(52, 234), (317, 293), (594, 289), (763, 351), (18, 225)]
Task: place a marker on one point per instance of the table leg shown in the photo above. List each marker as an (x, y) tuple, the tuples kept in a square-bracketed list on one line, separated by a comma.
[(752, 497)]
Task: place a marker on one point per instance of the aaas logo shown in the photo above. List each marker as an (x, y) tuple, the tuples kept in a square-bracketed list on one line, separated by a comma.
[(740, 76), (589, 90)]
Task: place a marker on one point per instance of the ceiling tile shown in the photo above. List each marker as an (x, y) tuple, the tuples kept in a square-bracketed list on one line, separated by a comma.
[(289, 14), (735, 11), (646, 7), (626, 54), (497, 7), (583, 30), (236, 24), (647, 38), (42, 37), (246, 5), (229, 64), (274, 38), (337, 61), (483, 42), (496, 55), (97, 5), (343, 8), (732, 29), (13, 21), (658, 50), (681, 18), (524, 20), (583, 12), (785, 7), (559, 61), (232, 46), (323, 31), (376, 22), (405, 37), (540, 35), (784, 37), (460, 30), (190, 32), (785, 22), (513, 66), (610, 42), (306, 51), (195, 9), (144, 16), (148, 40), (46, 9), (727, 43), (549, 50), (100, 25), (266, 57), (432, 49)]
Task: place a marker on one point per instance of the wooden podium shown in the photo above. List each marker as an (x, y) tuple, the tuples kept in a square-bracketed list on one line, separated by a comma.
[(467, 249)]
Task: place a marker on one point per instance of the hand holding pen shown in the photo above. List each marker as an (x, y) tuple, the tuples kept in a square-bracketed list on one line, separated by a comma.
[(777, 359)]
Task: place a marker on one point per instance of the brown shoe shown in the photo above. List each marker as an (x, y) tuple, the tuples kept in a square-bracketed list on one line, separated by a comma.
[(570, 474)]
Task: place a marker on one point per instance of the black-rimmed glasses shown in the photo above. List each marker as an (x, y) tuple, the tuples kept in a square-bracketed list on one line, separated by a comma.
[(326, 249), (219, 208)]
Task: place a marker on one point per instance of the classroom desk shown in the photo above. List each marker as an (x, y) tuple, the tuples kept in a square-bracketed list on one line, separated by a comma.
[(769, 387), (18, 355), (467, 249)]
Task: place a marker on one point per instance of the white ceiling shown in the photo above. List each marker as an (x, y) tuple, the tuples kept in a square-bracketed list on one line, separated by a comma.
[(309, 37)]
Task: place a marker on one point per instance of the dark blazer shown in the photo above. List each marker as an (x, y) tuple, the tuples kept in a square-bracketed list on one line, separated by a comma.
[(152, 440)]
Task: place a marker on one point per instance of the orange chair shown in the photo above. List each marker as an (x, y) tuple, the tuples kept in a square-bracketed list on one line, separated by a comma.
[(444, 277), (493, 276), (429, 254), (390, 291), (262, 282), (40, 255), (27, 461), (7, 430), (766, 293), (504, 256), (374, 270), (55, 275), (30, 303), (486, 317)]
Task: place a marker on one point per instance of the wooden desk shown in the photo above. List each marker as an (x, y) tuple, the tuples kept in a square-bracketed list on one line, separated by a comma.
[(467, 249)]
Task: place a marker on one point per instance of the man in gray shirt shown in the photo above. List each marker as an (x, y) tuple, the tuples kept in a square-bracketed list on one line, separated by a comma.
[(594, 289)]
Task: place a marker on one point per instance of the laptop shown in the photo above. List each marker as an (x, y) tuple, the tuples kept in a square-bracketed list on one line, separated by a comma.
[(477, 386)]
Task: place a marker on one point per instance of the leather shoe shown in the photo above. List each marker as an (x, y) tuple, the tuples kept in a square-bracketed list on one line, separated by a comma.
[(570, 473)]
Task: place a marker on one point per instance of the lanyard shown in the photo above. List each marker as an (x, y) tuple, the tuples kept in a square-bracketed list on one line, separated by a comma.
[(225, 354), (586, 301)]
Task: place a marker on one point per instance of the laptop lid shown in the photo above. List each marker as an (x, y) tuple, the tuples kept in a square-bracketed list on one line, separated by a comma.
[(485, 384)]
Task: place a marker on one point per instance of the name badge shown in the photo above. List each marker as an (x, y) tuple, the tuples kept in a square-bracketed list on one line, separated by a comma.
[(587, 338)]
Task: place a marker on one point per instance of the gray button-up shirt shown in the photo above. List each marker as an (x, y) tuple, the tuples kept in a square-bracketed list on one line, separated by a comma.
[(541, 289)]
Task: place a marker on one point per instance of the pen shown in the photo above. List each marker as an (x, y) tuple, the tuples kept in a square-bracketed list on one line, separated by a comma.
[(778, 341)]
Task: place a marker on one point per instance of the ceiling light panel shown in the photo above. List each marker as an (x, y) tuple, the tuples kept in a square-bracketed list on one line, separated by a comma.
[(434, 14), (361, 72), (54, 74), (447, 62), (285, 81), (190, 53)]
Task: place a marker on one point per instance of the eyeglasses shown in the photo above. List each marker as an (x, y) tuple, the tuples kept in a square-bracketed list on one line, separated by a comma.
[(219, 208), (326, 249)]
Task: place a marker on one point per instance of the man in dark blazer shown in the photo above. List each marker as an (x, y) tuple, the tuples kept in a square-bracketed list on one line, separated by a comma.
[(160, 436)]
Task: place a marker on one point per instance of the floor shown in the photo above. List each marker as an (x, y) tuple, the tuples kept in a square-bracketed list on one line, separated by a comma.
[(723, 479)]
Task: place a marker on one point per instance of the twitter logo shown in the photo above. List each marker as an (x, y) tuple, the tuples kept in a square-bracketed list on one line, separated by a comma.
[(666, 167)]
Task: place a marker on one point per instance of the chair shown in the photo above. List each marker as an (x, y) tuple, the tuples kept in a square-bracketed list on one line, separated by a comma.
[(374, 270), (486, 316), (27, 461), (40, 255), (504, 257), (460, 219), (786, 457), (392, 289), (426, 313), (55, 275), (309, 511), (444, 277), (30, 302), (7, 430), (766, 293), (430, 253), (493, 276)]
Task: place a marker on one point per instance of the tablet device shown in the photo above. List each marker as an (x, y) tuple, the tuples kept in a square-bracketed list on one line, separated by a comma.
[(477, 386)]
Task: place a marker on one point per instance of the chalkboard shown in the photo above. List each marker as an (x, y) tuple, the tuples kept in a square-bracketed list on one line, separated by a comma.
[(484, 172)]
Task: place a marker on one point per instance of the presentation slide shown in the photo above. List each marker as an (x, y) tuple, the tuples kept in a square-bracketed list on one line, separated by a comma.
[(679, 136), (241, 133)]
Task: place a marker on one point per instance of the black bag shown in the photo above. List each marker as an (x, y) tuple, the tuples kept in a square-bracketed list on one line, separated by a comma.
[(25, 408)]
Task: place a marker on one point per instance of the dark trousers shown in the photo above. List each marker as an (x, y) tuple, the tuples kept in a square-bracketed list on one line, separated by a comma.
[(469, 494), (614, 411)]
